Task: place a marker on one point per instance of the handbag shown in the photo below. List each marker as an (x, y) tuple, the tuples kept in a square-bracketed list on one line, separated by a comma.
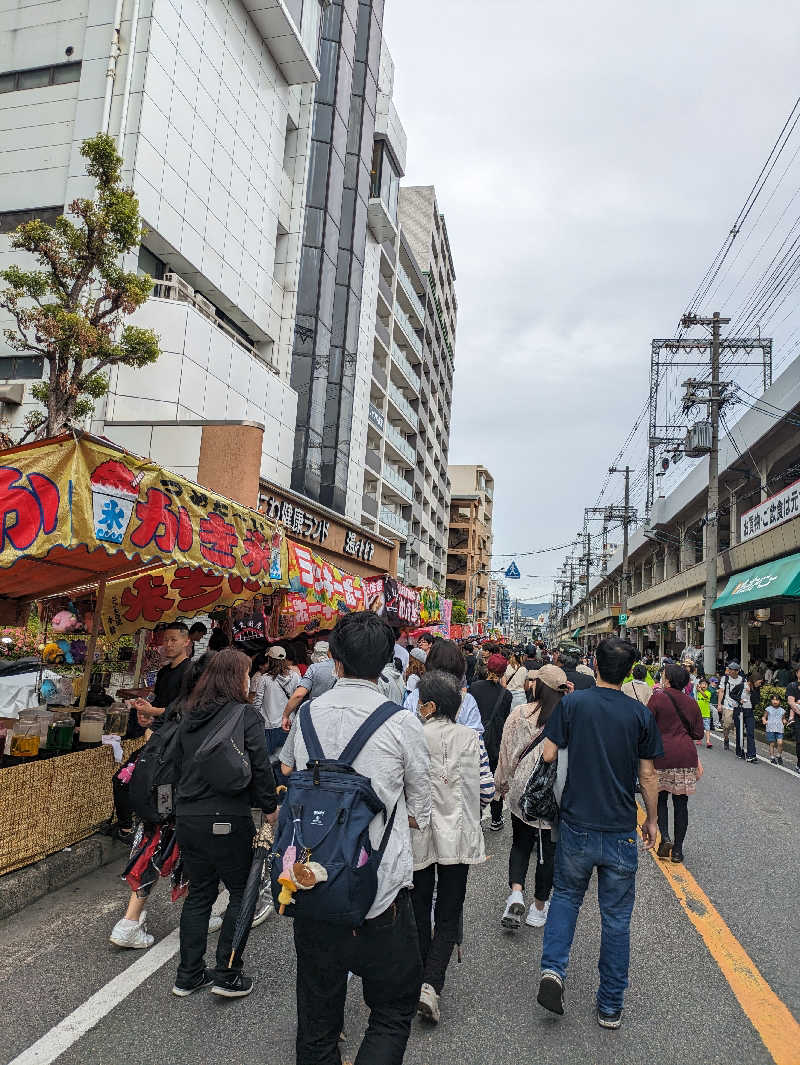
[(222, 758), (680, 714), (538, 800)]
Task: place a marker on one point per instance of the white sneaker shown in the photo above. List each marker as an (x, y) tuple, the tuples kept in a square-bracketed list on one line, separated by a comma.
[(537, 918), (515, 907), (264, 909), (428, 1004), (132, 934), (215, 922)]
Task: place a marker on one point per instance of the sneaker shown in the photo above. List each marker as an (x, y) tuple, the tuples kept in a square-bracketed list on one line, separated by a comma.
[(537, 918), (515, 907), (215, 922), (780, 760), (752, 760), (202, 982), (428, 1006), (709, 745), (773, 761), (237, 985), (797, 769), (263, 911), (677, 855), (664, 849), (609, 1020), (497, 826), (132, 934), (726, 746), (551, 992)]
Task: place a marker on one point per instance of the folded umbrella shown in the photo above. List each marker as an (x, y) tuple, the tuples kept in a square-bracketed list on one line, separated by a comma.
[(262, 843)]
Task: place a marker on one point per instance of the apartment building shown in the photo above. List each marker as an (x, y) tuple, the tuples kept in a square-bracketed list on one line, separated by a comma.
[(758, 565), (211, 105), (469, 545)]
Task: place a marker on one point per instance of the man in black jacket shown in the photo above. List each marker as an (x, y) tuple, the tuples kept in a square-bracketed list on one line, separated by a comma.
[(578, 679)]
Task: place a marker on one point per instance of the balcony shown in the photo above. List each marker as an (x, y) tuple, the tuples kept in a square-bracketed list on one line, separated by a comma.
[(372, 460), (394, 478), (394, 521), (385, 289), (369, 504), (411, 292), (379, 375), (280, 32), (403, 406), (382, 333), (405, 367), (400, 444), (380, 220), (408, 329)]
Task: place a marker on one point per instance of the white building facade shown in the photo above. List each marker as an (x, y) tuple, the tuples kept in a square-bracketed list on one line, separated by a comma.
[(210, 102)]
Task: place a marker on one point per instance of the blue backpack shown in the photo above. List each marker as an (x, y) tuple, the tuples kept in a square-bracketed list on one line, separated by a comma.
[(326, 815)]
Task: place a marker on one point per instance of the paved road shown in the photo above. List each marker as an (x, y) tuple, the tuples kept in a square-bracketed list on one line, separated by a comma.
[(741, 848)]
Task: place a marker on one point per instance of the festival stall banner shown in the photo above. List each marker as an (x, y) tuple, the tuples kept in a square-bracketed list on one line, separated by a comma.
[(430, 608), (76, 491), (393, 600), (317, 581), (166, 594), (443, 628), (300, 616)]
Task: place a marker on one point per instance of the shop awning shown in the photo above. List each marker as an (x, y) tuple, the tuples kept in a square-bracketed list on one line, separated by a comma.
[(601, 627), (773, 580), (672, 609)]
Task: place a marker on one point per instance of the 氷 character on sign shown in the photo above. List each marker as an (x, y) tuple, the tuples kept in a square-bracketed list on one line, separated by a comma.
[(160, 524), (115, 489), (26, 511)]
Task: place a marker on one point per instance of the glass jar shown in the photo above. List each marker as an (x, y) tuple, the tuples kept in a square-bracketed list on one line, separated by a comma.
[(25, 737), (117, 719), (93, 721), (45, 717), (60, 732)]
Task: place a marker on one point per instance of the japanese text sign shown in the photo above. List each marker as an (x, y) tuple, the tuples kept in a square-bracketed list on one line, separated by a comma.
[(781, 507)]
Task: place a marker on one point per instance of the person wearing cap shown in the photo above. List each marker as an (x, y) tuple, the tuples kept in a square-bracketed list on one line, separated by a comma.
[(520, 753), (319, 678), (416, 668), (729, 705), (277, 685), (494, 703)]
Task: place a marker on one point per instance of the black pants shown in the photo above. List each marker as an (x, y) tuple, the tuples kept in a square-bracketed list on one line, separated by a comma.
[(744, 723), (384, 952), (680, 816), (525, 841), (208, 859), (496, 807), (437, 948)]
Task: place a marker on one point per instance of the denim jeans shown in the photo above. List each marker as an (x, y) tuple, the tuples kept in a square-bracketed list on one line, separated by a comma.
[(615, 856)]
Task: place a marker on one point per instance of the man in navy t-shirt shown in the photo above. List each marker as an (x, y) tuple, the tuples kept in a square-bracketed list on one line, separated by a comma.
[(612, 739)]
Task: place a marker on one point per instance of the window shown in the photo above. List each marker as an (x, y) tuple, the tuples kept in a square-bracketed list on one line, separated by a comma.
[(9, 220), (40, 77), (384, 179), (21, 368)]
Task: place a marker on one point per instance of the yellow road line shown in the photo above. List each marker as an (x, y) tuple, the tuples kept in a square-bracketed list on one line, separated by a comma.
[(773, 1021)]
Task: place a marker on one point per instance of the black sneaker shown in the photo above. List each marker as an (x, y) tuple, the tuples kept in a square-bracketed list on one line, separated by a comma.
[(497, 826), (677, 855), (202, 982), (609, 1020), (780, 760), (664, 849), (726, 746), (237, 985), (773, 761), (551, 992), (752, 760)]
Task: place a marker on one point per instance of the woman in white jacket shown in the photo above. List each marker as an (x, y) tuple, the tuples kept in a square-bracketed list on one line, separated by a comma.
[(453, 839)]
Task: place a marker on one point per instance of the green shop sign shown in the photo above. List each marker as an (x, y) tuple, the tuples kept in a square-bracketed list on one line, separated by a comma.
[(774, 580)]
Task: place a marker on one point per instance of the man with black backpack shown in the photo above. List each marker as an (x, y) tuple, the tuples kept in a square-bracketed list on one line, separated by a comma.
[(390, 770)]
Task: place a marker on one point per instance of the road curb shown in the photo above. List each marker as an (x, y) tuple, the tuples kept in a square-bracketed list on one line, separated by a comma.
[(24, 886)]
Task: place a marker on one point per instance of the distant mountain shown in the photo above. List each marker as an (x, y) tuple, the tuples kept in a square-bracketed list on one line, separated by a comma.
[(533, 610)]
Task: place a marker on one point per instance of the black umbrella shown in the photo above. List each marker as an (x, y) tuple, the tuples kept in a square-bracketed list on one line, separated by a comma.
[(262, 844)]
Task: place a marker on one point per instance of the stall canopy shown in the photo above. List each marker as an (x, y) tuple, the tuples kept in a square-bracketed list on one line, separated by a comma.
[(773, 580), (673, 609), (75, 509)]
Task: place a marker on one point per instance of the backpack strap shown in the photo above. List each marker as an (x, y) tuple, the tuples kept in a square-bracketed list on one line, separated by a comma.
[(310, 738), (365, 730)]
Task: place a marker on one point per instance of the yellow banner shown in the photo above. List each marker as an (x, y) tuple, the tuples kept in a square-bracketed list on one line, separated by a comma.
[(77, 491)]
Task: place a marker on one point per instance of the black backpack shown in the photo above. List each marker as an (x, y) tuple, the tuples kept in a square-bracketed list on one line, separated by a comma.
[(222, 758), (152, 787), (538, 799)]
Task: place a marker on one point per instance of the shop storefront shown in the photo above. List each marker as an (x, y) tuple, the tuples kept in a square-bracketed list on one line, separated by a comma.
[(759, 612)]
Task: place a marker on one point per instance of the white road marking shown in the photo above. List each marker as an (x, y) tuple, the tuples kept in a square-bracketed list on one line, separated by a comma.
[(760, 757), (62, 1036)]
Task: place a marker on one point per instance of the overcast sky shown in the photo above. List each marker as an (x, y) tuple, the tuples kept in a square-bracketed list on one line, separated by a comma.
[(589, 158)]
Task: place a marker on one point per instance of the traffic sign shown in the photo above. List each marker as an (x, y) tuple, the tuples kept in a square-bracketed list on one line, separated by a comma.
[(623, 618), (512, 572)]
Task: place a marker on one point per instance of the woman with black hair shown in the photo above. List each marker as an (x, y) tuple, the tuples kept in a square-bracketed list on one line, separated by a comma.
[(680, 723), (446, 655), (520, 752)]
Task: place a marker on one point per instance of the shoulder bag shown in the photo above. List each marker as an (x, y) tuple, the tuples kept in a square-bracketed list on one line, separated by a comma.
[(222, 758)]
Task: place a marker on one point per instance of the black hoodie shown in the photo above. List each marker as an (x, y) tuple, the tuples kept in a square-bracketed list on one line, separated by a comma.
[(194, 794)]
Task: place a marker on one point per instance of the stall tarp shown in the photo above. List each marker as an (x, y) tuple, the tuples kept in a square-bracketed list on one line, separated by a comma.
[(430, 607), (443, 628), (88, 509), (319, 581), (300, 615), (393, 600), (162, 595)]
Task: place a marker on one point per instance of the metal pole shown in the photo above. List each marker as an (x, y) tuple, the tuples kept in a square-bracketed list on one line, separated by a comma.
[(712, 509), (87, 671), (586, 593)]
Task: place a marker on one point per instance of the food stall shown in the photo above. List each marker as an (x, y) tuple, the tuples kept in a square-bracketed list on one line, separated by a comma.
[(130, 545)]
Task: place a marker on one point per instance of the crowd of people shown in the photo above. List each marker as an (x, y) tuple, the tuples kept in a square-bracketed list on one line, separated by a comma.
[(445, 740)]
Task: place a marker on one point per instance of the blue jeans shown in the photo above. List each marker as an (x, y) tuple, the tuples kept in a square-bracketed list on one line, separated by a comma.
[(615, 856)]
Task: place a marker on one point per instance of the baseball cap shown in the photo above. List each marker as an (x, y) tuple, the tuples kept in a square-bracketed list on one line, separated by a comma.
[(553, 676), (276, 652), (419, 654), (321, 646), (733, 665)]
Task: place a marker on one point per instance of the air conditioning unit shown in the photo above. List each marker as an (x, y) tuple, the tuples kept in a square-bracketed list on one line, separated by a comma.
[(206, 306), (181, 290), (698, 440)]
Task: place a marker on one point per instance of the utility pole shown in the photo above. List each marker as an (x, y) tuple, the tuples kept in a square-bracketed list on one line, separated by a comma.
[(712, 506), (588, 561), (625, 521)]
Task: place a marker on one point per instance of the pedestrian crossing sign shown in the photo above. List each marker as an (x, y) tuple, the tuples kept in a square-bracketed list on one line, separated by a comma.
[(513, 572)]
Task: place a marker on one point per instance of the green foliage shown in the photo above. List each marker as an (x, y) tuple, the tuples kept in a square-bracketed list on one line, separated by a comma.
[(459, 614), (71, 309), (767, 691)]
